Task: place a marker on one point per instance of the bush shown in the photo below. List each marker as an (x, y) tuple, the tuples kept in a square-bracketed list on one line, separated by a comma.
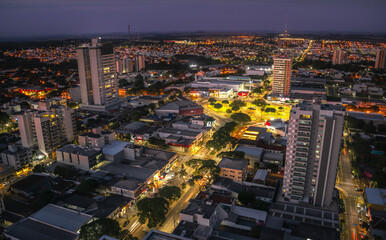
[(217, 106), (228, 111)]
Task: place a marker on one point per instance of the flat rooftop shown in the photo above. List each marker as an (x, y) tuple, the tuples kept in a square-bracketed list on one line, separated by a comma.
[(376, 196), (76, 149), (233, 163)]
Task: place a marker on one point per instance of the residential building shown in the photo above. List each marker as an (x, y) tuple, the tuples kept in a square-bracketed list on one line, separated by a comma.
[(233, 168), (47, 129), (81, 157), (75, 95), (16, 156), (376, 210), (281, 84), (339, 57), (140, 62), (97, 76), (380, 59), (125, 66), (96, 138), (313, 148)]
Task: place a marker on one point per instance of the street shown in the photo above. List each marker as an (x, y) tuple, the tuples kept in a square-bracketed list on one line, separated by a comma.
[(346, 184)]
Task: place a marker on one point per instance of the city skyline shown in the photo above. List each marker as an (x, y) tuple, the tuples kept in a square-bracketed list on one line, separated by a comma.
[(47, 18)]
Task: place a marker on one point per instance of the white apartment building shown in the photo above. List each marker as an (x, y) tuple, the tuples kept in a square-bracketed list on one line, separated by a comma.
[(16, 156), (97, 76), (313, 148), (281, 84), (80, 157), (47, 128)]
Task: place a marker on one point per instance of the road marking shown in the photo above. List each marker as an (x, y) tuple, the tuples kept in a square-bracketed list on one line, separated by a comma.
[(134, 226)]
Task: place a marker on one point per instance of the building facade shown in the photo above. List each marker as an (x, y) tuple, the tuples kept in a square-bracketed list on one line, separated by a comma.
[(380, 59), (281, 75), (84, 158), (48, 128), (313, 148), (16, 156), (97, 76)]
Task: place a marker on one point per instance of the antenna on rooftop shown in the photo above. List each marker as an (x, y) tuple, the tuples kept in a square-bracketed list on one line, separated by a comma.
[(285, 26)]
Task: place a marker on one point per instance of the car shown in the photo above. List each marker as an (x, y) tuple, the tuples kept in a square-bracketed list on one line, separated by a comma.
[(126, 223)]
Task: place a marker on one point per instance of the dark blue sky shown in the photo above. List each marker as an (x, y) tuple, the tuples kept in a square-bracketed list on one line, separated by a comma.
[(20, 18)]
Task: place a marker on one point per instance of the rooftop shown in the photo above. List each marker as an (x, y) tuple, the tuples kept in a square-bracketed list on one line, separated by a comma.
[(61, 217), (76, 149), (32, 229), (114, 147), (260, 175), (233, 163), (376, 196)]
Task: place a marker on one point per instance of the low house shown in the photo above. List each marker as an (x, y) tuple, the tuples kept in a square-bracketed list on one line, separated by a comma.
[(233, 168), (202, 213), (260, 176)]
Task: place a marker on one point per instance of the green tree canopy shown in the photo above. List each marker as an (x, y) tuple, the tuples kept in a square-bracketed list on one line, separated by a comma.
[(153, 211), (212, 100), (96, 229), (232, 154), (87, 186), (240, 117), (217, 105), (225, 101), (66, 172), (194, 163), (39, 168), (171, 193)]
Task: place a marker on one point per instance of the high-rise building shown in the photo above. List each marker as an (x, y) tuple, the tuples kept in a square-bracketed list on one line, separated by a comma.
[(313, 148), (380, 59), (140, 62), (281, 75), (47, 128), (125, 66), (339, 57), (97, 76)]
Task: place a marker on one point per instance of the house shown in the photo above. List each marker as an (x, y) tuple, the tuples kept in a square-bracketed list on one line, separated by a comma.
[(252, 153), (130, 188), (202, 213), (30, 185), (233, 168), (260, 176), (96, 138)]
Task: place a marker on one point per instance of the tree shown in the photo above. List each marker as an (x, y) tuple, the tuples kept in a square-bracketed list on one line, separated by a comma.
[(209, 167), (212, 100), (270, 109), (182, 173), (258, 90), (260, 205), (194, 163), (138, 82), (170, 193), (87, 186), (240, 117), (39, 168), (64, 172), (237, 104), (217, 105), (225, 101), (246, 197), (232, 154), (96, 229), (152, 211), (4, 118), (228, 111)]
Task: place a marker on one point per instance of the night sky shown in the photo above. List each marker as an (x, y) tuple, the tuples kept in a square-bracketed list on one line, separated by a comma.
[(22, 18)]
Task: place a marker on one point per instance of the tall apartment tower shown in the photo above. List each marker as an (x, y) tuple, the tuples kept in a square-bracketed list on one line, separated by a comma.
[(339, 57), (140, 62), (97, 76), (281, 75), (380, 59), (47, 128), (124, 65), (313, 148)]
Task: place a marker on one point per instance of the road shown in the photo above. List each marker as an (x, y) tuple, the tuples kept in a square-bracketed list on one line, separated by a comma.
[(346, 183)]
